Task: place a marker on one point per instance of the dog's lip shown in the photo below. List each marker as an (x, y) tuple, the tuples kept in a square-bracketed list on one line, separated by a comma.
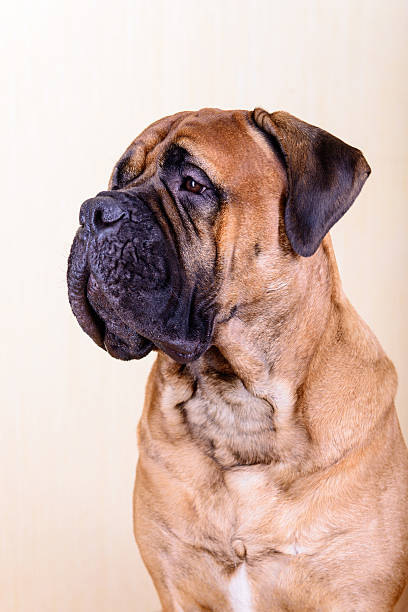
[(77, 277), (99, 329)]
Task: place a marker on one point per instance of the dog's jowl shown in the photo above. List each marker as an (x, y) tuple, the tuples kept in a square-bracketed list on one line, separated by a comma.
[(272, 472)]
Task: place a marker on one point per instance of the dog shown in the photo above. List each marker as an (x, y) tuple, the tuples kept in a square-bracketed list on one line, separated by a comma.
[(272, 472)]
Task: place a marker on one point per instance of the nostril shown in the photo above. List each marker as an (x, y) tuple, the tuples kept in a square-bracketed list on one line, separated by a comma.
[(108, 215), (100, 213)]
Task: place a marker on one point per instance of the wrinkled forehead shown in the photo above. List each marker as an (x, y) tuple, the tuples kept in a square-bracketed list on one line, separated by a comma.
[(226, 144)]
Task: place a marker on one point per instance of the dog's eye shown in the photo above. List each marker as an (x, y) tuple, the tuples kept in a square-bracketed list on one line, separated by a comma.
[(190, 184)]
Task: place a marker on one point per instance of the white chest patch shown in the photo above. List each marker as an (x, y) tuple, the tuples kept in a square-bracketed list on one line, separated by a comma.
[(240, 591)]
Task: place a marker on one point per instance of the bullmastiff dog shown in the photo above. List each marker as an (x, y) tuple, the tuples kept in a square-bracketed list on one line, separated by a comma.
[(272, 473)]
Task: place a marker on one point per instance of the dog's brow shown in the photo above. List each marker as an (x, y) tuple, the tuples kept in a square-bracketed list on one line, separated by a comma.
[(197, 159), (172, 155)]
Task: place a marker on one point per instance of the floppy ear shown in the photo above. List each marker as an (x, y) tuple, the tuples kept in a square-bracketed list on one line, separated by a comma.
[(325, 175)]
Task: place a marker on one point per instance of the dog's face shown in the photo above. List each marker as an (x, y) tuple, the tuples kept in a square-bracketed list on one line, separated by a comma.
[(204, 211)]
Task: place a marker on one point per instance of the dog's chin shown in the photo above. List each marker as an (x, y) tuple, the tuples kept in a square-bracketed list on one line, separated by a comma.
[(119, 340), (123, 342), (183, 353), (127, 336), (125, 345), (120, 349)]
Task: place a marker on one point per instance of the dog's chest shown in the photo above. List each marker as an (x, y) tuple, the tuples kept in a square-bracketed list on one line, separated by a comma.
[(247, 438)]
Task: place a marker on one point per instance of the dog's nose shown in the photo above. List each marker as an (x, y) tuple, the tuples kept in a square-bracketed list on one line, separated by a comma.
[(100, 213)]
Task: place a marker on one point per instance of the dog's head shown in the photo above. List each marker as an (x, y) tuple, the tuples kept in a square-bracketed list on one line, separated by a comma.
[(202, 210)]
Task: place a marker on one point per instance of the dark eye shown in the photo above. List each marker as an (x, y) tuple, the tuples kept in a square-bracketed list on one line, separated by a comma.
[(190, 184)]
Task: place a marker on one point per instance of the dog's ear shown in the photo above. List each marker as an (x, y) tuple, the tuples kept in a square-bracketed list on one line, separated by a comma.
[(325, 175)]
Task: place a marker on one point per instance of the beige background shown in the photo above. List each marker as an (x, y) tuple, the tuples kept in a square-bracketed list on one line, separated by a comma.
[(80, 79)]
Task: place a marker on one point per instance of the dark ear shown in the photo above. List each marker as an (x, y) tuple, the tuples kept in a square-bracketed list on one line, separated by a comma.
[(325, 175)]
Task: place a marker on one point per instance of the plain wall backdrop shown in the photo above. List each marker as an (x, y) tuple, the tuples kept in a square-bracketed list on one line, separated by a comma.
[(80, 79)]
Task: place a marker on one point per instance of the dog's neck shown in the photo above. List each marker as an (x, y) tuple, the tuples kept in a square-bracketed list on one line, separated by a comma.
[(257, 401)]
